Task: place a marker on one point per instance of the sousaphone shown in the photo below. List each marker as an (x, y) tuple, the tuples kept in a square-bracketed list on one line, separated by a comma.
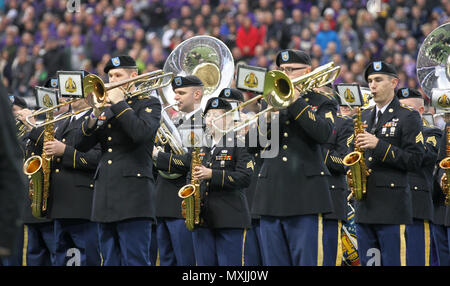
[(206, 57)]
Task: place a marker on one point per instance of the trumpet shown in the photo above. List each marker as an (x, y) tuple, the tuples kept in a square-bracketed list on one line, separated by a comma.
[(95, 89), (279, 91)]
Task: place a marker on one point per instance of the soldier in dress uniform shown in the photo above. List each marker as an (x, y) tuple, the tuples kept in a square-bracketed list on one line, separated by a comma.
[(394, 145), (174, 239), (334, 151), (292, 189), (124, 185), (419, 234), (224, 174), (71, 190), (253, 253), (441, 223), (38, 243)]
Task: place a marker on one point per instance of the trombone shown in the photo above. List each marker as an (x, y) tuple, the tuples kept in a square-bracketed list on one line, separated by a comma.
[(58, 118), (279, 91), (95, 93), (95, 89)]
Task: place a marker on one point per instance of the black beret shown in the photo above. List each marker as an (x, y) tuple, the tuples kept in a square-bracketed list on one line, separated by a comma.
[(19, 101), (120, 62), (216, 103), (231, 94), (380, 67), (185, 81), (408, 93), (293, 56)]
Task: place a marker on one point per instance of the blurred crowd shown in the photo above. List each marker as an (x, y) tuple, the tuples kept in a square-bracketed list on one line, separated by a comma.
[(40, 37)]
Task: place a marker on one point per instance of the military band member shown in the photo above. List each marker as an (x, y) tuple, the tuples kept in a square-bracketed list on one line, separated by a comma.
[(71, 189), (38, 247), (441, 223), (419, 234), (394, 145), (224, 174), (124, 185), (334, 151), (252, 255), (174, 239), (292, 189)]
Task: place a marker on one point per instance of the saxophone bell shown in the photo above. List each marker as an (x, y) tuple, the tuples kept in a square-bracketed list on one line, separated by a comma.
[(358, 172), (445, 165)]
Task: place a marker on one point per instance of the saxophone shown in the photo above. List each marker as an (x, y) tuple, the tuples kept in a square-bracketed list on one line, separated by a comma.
[(357, 175), (38, 168), (445, 165), (190, 206)]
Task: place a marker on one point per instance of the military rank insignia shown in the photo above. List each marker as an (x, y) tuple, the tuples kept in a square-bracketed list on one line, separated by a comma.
[(432, 140), (419, 138)]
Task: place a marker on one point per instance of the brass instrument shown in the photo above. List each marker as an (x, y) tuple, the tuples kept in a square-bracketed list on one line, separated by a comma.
[(50, 110), (433, 73), (445, 165), (38, 167), (206, 57), (95, 90), (279, 91), (211, 61), (21, 128), (167, 133), (357, 175), (190, 206)]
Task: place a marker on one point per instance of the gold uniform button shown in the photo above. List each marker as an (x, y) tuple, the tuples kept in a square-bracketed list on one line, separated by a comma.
[(58, 160), (285, 134), (109, 150), (207, 184), (256, 155), (64, 140), (91, 185), (332, 186), (57, 170), (415, 188), (206, 193), (284, 159), (287, 122), (129, 101), (109, 125), (109, 138), (370, 159), (284, 147), (322, 173), (138, 175), (392, 185), (109, 162)]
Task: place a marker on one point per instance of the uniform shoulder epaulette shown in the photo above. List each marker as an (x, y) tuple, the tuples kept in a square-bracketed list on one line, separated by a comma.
[(328, 96), (143, 96), (406, 107)]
